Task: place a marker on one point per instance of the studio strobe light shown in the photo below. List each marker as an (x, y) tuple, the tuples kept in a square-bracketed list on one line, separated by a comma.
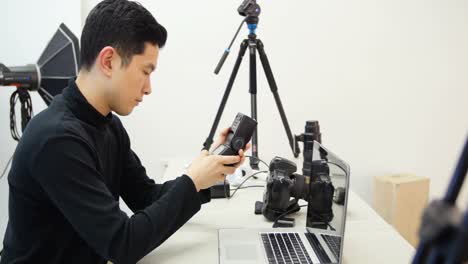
[(58, 63)]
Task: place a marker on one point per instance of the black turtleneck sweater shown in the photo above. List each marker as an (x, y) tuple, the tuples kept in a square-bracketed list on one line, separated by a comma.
[(68, 172)]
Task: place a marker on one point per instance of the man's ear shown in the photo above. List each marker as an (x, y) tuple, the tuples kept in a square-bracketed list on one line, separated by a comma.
[(106, 60)]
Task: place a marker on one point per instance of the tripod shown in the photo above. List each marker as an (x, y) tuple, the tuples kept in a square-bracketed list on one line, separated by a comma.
[(444, 235), (254, 44)]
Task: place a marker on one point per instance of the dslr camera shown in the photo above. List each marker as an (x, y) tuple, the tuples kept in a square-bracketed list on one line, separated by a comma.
[(285, 187)]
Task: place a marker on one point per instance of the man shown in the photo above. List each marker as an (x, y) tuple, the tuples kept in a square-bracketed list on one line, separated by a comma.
[(74, 160)]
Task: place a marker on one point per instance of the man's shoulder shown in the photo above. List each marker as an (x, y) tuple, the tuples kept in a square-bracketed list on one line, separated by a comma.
[(53, 121), (56, 121)]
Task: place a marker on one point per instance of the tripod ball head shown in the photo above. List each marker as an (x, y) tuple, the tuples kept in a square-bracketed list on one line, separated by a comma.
[(251, 10)]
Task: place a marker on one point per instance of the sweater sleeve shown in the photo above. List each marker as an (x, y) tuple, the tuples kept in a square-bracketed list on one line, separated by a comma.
[(67, 172), (139, 191)]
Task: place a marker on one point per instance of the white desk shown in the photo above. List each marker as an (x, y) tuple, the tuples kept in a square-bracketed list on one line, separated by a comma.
[(368, 238)]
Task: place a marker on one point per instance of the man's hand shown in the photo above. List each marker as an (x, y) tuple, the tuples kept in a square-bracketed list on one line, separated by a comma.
[(207, 170), (222, 138)]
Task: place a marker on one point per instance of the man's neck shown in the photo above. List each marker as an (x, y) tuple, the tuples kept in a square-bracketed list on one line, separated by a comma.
[(89, 87)]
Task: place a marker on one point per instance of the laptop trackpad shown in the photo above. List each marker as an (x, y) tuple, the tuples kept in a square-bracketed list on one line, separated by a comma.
[(241, 252)]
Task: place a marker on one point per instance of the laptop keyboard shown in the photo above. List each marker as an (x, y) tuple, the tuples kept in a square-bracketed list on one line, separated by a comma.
[(318, 249), (284, 248), (334, 243)]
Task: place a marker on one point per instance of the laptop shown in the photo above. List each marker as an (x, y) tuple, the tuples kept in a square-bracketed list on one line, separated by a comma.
[(292, 245)]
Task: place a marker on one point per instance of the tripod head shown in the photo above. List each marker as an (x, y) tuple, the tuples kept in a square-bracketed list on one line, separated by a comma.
[(251, 10)]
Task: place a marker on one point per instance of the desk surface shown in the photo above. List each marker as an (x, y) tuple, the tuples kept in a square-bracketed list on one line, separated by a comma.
[(368, 238)]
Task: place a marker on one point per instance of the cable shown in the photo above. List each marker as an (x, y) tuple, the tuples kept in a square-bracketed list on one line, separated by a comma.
[(293, 210), (13, 130), (26, 111), (266, 164), (328, 224), (339, 166), (251, 186), (6, 167), (286, 213), (239, 187)]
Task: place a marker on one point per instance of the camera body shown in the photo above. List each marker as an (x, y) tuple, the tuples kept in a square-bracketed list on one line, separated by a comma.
[(285, 187), (320, 199), (239, 135), (282, 185)]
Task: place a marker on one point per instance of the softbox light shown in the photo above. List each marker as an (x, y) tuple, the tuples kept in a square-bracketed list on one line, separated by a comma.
[(58, 63)]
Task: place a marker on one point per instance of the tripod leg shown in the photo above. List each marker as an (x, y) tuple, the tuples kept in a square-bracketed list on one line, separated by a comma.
[(253, 102), (274, 89), (209, 139)]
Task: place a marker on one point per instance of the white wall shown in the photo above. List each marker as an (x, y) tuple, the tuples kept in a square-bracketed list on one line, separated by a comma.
[(388, 80)]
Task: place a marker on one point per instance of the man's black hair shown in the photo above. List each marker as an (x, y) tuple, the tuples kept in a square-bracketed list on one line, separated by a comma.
[(124, 25)]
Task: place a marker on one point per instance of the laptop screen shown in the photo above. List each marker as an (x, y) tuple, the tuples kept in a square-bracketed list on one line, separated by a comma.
[(333, 175)]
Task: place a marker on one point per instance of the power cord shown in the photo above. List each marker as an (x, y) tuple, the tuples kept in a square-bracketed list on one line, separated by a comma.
[(251, 157), (251, 186), (26, 111), (338, 165), (295, 209), (292, 210), (240, 185), (328, 224)]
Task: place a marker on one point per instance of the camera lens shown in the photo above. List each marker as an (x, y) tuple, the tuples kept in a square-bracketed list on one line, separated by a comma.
[(312, 127)]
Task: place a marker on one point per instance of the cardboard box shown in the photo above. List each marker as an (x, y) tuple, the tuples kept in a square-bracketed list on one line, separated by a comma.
[(400, 199)]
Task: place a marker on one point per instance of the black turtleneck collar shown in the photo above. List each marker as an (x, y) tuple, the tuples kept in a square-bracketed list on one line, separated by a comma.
[(82, 108)]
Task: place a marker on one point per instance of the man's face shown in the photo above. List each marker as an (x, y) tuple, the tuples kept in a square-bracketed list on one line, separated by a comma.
[(131, 82)]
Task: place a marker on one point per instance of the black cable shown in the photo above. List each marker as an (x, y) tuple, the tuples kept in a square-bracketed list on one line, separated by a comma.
[(293, 210), (328, 224), (238, 187), (339, 166), (26, 111), (13, 130), (286, 213), (6, 167), (251, 186), (251, 157)]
